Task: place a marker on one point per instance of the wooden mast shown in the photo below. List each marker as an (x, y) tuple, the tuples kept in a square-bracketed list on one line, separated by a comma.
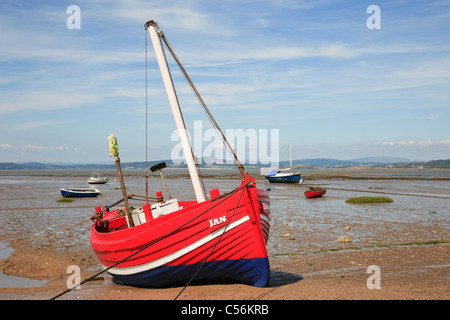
[(114, 152)]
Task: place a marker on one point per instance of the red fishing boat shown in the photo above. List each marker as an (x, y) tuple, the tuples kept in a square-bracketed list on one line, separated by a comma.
[(177, 242), (314, 192)]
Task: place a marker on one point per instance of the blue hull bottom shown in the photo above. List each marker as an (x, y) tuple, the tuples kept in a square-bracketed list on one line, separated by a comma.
[(254, 272)]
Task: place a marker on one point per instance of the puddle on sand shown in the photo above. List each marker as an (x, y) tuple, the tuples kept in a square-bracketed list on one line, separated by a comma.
[(19, 282), (14, 281)]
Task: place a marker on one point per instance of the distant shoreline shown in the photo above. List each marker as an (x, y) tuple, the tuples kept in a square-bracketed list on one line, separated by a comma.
[(351, 173)]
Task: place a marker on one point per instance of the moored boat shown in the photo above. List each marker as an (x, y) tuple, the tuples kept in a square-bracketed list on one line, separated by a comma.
[(79, 192), (315, 192), (277, 176), (223, 238), (95, 178), (178, 242), (285, 175)]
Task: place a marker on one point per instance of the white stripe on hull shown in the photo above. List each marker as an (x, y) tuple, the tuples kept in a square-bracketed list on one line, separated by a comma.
[(174, 255)]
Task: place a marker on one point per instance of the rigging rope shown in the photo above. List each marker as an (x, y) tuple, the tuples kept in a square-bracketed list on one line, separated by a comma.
[(209, 255), (205, 108), (146, 120), (45, 235)]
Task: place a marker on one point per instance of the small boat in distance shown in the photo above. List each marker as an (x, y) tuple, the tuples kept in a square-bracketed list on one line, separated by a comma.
[(278, 176), (96, 179), (314, 192), (79, 192)]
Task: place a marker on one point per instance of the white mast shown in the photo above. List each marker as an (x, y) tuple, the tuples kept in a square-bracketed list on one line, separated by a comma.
[(176, 111), (290, 155)]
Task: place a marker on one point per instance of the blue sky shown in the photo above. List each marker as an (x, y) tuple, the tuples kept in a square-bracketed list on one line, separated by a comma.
[(311, 69)]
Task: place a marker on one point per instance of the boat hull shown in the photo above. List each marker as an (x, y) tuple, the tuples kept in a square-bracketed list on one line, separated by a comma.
[(254, 272), (294, 178), (315, 193), (94, 181), (71, 193), (223, 239)]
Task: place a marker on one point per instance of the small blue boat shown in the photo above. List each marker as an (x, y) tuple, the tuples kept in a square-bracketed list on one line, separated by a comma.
[(289, 177), (80, 192)]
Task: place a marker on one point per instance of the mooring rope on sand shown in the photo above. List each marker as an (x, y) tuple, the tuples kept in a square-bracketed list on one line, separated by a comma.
[(45, 235), (382, 192), (45, 208)]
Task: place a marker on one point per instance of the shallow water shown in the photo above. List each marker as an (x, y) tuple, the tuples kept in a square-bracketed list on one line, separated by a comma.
[(7, 281), (29, 208)]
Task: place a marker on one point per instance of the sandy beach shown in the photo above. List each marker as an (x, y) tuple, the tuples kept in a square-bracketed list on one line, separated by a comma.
[(419, 272), (398, 251)]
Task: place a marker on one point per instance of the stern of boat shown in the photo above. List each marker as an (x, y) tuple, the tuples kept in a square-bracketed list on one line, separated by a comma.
[(264, 210)]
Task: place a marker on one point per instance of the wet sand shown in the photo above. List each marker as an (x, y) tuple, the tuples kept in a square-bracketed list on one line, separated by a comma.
[(406, 273), (307, 263)]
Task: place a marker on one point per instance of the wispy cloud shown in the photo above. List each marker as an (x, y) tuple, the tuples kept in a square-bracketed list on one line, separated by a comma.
[(30, 125), (34, 147), (6, 146), (185, 16), (44, 100), (411, 143)]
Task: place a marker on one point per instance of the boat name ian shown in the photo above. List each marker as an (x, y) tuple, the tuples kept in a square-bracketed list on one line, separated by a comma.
[(217, 221)]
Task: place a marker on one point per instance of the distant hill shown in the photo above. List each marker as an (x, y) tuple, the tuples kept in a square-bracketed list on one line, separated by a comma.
[(321, 163), (443, 164), (438, 163), (382, 160), (333, 163), (368, 162), (29, 165)]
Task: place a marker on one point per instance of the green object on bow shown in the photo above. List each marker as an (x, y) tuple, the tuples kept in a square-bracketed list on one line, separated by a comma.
[(113, 146)]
